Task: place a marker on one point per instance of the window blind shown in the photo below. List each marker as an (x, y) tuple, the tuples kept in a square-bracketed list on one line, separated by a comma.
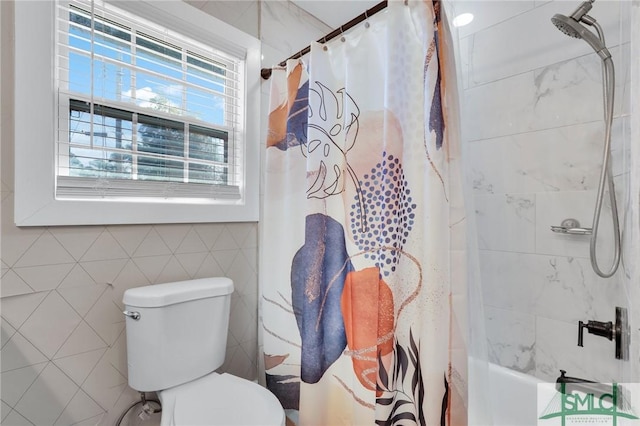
[(144, 111)]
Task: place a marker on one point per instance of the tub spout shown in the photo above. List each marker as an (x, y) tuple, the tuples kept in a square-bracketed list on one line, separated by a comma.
[(576, 384), (567, 385), (568, 379)]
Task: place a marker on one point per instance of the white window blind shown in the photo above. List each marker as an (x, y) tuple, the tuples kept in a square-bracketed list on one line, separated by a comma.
[(144, 111)]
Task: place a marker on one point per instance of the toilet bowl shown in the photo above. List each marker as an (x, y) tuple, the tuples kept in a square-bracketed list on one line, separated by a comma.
[(176, 339), (220, 399)]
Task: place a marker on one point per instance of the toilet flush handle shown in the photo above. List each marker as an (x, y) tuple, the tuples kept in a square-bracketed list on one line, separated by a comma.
[(132, 314)]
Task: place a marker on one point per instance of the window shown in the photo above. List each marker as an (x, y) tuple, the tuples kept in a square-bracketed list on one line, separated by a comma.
[(151, 119)]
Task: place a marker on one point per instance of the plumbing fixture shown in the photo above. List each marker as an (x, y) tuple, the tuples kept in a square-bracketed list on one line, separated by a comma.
[(568, 385), (622, 333), (573, 27), (132, 314), (147, 409), (618, 331), (569, 379), (575, 383), (622, 399), (572, 227), (604, 329)]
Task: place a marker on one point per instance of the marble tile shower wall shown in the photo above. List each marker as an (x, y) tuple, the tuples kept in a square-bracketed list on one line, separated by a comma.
[(63, 341), (533, 133)]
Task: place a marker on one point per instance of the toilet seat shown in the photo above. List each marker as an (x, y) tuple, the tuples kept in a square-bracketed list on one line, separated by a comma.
[(220, 399)]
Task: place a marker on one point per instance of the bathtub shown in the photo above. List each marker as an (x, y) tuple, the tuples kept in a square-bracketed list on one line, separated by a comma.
[(499, 396)]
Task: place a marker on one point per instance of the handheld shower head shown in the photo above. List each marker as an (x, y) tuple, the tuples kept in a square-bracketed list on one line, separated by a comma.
[(574, 28), (567, 25)]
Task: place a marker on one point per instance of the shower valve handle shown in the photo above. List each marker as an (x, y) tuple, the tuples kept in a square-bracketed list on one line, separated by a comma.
[(599, 328), (618, 331)]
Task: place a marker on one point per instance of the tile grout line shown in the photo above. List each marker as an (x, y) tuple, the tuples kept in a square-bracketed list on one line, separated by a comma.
[(29, 387), (10, 269), (85, 252), (32, 312), (13, 409), (473, 85), (123, 248), (179, 243), (83, 320)]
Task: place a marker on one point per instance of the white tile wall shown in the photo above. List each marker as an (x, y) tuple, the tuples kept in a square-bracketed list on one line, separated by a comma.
[(4, 410), (39, 404), (533, 129), (498, 109), (512, 338), (68, 317), (558, 287), (465, 46), (558, 159), (545, 97), (533, 41), (13, 418), (506, 222), (17, 381), (485, 17)]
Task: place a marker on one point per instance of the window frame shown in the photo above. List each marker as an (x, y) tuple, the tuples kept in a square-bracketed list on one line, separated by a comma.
[(35, 144)]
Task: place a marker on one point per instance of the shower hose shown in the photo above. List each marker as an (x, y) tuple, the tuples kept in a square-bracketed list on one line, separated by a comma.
[(606, 175)]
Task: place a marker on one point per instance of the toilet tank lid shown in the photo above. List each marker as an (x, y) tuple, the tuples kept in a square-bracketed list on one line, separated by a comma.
[(154, 296)]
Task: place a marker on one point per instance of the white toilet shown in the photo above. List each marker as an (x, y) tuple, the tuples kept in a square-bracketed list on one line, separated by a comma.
[(176, 338)]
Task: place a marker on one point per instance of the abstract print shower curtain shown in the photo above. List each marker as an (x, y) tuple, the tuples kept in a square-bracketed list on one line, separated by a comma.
[(362, 251)]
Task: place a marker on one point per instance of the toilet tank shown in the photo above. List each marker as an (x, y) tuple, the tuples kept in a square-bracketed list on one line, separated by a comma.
[(181, 332)]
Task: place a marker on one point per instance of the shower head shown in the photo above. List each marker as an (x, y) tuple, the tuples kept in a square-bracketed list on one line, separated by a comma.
[(574, 28), (567, 25)]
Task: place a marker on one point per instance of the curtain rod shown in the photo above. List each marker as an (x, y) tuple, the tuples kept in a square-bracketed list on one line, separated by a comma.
[(266, 72)]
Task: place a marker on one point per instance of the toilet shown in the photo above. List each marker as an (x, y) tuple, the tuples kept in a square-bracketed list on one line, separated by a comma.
[(176, 338)]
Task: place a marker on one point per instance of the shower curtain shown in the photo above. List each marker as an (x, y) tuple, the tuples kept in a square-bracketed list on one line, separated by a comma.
[(363, 263)]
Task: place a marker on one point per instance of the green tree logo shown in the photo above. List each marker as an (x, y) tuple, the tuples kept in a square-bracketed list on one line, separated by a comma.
[(585, 402)]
